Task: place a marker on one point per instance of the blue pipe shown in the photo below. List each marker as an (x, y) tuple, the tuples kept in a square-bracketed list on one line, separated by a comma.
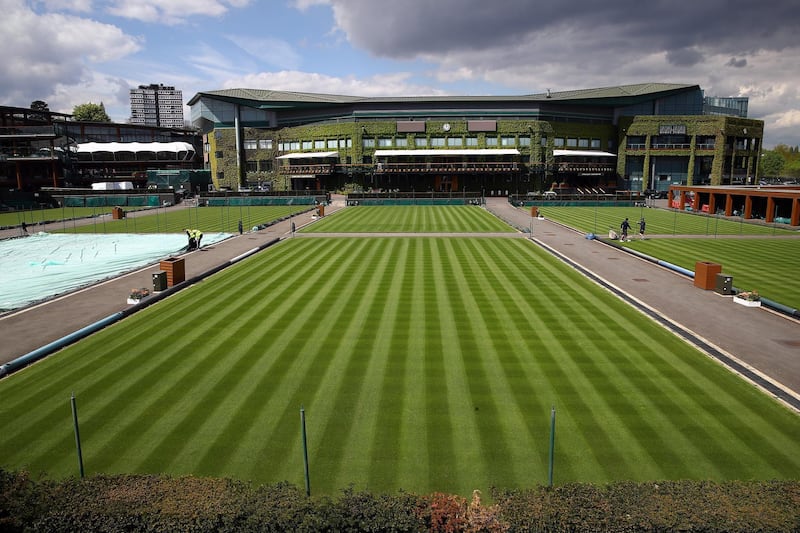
[(39, 353), (791, 311), (676, 268)]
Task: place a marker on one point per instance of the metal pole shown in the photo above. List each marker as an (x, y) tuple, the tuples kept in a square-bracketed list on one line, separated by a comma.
[(77, 433), (552, 444), (305, 450)]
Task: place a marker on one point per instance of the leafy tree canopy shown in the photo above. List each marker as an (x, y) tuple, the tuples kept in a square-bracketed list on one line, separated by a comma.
[(90, 112), (39, 105), (771, 164)]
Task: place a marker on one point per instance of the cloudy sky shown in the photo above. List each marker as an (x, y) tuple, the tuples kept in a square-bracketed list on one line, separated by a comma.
[(69, 52)]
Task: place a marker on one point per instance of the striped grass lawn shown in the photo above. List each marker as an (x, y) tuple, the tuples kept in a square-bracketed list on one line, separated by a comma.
[(427, 364), (659, 221), (171, 220), (411, 219), (769, 266), (764, 264)]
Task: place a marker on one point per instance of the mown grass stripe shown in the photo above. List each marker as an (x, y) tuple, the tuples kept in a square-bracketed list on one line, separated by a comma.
[(389, 414), (413, 465), (446, 464)]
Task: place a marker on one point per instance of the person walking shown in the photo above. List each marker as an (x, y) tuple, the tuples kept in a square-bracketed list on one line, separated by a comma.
[(241, 228), (625, 226), (641, 228), (24, 228)]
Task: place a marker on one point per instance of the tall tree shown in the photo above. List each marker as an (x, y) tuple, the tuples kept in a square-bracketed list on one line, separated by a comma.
[(40, 105), (771, 164), (90, 112)]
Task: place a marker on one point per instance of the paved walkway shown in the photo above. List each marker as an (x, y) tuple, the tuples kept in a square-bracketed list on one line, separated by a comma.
[(763, 345)]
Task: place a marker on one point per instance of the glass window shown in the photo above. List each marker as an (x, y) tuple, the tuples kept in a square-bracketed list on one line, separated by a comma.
[(595, 143), (558, 141), (437, 141), (544, 141), (368, 143), (218, 154), (491, 141), (401, 142), (472, 141), (572, 142), (319, 145), (332, 143), (307, 145), (294, 145), (265, 144), (251, 166), (524, 141), (454, 141), (583, 143), (507, 141), (385, 141), (420, 142), (265, 165), (251, 145)]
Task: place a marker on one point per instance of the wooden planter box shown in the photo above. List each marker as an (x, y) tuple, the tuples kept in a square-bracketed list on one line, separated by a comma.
[(176, 270), (705, 274)]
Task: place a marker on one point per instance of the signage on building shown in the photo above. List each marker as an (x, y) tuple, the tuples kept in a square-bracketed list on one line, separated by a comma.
[(672, 129)]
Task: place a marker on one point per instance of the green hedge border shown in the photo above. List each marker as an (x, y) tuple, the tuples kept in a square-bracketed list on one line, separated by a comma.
[(160, 503)]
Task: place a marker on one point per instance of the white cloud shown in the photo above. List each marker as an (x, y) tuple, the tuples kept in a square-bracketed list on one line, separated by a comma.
[(395, 84), (41, 51), (173, 11)]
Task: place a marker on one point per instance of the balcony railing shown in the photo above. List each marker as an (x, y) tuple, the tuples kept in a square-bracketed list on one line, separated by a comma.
[(451, 167), (306, 169)]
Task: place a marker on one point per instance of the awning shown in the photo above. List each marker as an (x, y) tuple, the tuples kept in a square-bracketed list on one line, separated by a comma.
[(302, 155), (444, 152), (582, 153), (135, 147)]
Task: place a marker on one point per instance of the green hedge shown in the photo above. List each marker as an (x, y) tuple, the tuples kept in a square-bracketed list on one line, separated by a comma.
[(159, 503)]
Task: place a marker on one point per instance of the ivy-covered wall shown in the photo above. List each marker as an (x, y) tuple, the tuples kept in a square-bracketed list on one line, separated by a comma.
[(722, 128), (225, 173)]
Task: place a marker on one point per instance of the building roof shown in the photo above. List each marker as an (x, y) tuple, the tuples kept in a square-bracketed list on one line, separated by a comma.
[(275, 99)]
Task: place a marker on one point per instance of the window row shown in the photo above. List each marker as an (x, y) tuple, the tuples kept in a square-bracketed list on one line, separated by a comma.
[(419, 142), (258, 144), (576, 142), (330, 144)]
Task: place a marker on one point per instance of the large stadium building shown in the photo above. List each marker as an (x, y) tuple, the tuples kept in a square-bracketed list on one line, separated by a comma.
[(627, 138)]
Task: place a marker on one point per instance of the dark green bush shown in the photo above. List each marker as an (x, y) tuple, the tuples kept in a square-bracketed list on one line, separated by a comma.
[(164, 504)]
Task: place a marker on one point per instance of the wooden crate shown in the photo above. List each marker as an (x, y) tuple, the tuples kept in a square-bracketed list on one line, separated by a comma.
[(175, 267), (705, 274)]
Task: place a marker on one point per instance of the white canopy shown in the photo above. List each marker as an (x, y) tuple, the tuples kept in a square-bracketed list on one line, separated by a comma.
[(582, 153), (444, 152), (134, 147), (301, 155)]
